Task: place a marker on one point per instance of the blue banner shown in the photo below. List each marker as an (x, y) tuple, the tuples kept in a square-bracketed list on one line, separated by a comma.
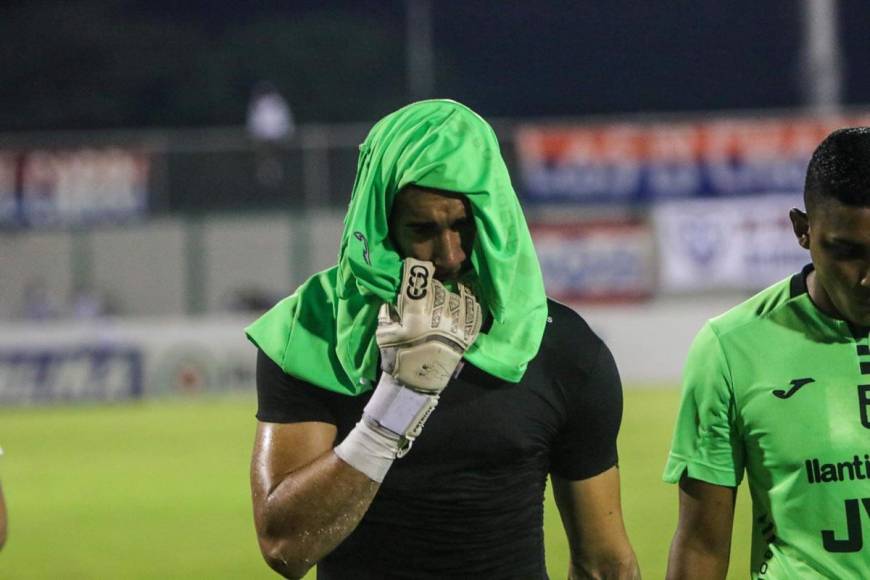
[(79, 373)]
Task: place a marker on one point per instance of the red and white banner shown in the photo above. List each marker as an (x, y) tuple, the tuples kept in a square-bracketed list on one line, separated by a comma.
[(642, 162), (73, 186)]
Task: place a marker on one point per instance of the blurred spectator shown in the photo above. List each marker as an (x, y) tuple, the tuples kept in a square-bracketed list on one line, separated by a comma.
[(250, 299), (86, 303), (269, 115), (37, 303), (270, 123)]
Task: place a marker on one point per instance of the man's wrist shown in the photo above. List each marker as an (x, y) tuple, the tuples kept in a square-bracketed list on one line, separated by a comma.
[(369, 450), (399, 409), (392, 419)]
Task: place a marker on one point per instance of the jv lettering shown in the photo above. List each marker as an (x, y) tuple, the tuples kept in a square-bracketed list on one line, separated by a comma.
[(854, 540)]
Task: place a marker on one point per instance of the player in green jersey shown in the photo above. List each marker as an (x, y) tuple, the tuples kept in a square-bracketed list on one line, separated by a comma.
[(779, 386)]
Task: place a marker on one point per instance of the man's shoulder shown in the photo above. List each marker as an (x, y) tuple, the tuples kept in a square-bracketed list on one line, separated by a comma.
[(567, 329), (760, 308)]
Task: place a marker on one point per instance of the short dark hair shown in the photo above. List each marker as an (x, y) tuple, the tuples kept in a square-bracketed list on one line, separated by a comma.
[(840, 169)]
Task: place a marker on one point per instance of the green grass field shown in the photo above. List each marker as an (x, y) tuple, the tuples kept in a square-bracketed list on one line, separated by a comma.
[(159, 489)]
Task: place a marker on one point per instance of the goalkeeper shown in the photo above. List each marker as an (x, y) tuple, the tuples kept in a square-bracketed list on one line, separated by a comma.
[(414, 398)]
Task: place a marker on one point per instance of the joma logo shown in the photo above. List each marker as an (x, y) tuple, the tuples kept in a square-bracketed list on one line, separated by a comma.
[(795, 385)]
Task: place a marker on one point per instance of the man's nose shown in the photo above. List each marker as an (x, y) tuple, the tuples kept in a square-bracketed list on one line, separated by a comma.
[(451, 256)]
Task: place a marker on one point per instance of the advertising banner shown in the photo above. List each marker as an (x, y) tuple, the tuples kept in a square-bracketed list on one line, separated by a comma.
[(645, 162), (609, 261), (8, 188), (74, 373), (73, 186), (714, 244), (112, 360)]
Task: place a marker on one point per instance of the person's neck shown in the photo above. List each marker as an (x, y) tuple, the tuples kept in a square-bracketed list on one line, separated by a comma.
[(820, 297)]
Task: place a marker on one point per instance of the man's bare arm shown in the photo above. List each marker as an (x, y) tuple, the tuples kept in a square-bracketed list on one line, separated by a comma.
[(592, 516), (307, 495), (2, 519), (306, 500), (702, 543)]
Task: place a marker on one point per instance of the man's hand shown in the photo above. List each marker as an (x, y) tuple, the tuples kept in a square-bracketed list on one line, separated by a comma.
[(424, 337), (422, 341)]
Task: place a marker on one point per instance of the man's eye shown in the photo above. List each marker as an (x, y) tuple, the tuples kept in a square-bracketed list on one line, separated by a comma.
[(422, 229), (844, 250), (463, 225)]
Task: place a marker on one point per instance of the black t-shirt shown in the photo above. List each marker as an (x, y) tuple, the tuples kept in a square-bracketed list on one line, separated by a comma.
[(468, 498)]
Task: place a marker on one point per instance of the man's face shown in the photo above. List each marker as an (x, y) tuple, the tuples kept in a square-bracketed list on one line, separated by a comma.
[(838, 238), (435, 226)]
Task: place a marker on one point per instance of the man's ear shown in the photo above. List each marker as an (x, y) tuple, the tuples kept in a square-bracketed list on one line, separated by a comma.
[(800, 223)]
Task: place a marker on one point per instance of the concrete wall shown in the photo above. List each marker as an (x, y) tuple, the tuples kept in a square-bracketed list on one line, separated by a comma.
[(141, 268), (167, 267), (34, 263), (170, 269), (650, 340), (245, 254)]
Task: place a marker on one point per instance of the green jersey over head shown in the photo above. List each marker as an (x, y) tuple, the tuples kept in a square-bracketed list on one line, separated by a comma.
[(325, 332), (779, 389)]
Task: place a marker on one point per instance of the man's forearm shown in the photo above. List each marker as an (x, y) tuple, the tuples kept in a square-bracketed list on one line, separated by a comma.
[(308, 495), (310, 511), (702, 543), (305, 509), (618, 566), (688, 561), (2, 519)]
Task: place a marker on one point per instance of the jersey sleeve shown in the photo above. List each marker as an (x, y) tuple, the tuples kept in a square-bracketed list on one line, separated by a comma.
[(282, 398), (705, 444), (586, 445)]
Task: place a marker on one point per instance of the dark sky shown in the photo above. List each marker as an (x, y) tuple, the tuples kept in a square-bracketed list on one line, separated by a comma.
[(132, 63)]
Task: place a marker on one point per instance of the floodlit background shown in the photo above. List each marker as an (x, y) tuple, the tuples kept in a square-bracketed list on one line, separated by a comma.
[(169, 170)]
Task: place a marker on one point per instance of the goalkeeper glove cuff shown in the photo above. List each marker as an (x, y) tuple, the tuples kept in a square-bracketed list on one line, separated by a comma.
[(392, 419), (368, 450)]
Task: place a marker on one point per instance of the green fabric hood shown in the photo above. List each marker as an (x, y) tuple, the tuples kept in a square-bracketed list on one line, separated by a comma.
[(324, 333)]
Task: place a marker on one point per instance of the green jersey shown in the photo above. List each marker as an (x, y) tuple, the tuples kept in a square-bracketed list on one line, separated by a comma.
[(776, 387)]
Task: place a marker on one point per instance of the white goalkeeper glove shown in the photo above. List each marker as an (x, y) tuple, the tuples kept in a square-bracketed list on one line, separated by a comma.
[(422, 341)]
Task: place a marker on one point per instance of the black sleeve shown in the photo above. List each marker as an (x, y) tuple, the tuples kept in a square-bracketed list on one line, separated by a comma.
[(282, 398), (586, 444)]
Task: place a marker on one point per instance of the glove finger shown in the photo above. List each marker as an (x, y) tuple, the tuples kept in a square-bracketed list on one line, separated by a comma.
[(471, 317), (466, 289), (387, 313), (439, 297), (415, 291)]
